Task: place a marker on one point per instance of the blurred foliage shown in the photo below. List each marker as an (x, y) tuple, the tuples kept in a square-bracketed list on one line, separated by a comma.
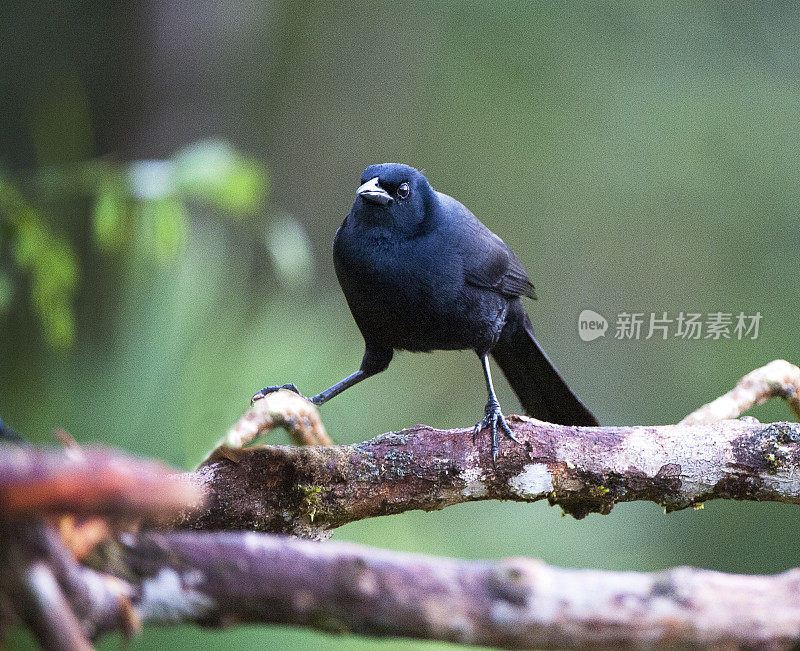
[(290, 252), (215, 172), (50, 261), (638, 156), (141, 204)]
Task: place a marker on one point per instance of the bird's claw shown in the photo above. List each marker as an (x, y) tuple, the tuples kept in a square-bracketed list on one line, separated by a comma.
[(267, 390), (494, 418)]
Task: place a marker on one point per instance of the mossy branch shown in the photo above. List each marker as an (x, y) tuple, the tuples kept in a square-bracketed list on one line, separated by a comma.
[(308, 491)]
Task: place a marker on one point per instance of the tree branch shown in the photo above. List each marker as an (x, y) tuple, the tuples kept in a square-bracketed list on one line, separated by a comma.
[(48, 613), (308, 491), (778, 379), (229, 578), (43, 492), (88, 481)]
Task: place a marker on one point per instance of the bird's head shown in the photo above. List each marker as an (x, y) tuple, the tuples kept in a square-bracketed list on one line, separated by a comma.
[(394, 195)]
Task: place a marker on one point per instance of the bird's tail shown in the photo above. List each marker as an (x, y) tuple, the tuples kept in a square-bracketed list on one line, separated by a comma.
[(538, 385)]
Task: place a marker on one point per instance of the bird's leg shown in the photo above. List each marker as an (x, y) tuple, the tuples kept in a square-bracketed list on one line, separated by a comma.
[(318, 399), (494, 417), (374, 362)]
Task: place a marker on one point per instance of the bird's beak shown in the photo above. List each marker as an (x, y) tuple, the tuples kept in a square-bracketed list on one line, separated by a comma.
[(371, 191)]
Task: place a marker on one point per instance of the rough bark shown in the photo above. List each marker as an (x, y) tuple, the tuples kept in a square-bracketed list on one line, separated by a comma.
[(229, 578), (308, 491)]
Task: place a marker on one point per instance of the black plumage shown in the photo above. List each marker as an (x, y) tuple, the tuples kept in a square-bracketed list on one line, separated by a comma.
[(420, 272)]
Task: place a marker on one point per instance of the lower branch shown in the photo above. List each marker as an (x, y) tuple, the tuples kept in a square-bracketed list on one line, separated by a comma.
[(48, 613), (63, 602), (244, 577)]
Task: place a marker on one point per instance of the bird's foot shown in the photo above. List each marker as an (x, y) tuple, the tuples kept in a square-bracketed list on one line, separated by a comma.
[(493, 419), (267, 390)]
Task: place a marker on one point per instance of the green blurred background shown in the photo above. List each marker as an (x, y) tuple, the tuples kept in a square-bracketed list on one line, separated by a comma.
[(172, 175)]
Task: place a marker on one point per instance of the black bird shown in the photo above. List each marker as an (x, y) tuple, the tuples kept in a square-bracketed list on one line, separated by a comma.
[(421, 273)]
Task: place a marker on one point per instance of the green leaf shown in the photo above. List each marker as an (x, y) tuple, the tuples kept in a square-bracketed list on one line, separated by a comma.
[(58, 323), (213, 171), (164, 222), (109, 217), (50, 261)]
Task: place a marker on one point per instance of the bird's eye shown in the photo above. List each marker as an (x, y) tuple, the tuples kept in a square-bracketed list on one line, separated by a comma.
[(403, 191)]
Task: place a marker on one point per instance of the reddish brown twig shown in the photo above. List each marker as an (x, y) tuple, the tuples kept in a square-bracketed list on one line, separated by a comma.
[(40, 481)]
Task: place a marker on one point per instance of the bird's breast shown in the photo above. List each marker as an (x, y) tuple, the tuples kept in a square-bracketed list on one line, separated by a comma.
[(380, 268), (410, 294)]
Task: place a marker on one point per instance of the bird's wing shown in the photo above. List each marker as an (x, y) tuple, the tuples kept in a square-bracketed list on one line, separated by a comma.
[(496, 267), (489, 262)]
